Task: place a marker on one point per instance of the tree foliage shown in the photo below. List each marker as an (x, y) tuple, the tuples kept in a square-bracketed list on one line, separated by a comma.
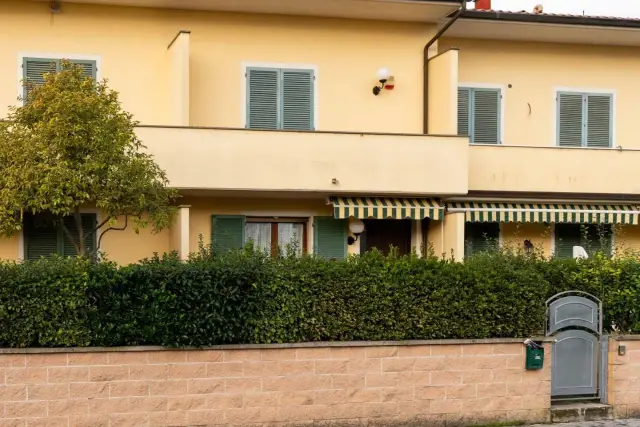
[(71, 145)]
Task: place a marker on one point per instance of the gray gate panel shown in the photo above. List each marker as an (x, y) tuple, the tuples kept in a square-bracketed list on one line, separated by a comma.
[(574, 311), (575, 364)]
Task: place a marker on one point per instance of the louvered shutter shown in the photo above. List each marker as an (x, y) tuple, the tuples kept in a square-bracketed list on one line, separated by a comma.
[(297, 99), (567, 236), (89, 67), (40, 240), (227, 232), (599, 121), (33, 70), (486, 116), (570, 119), (463, 111), (89, 222), (330, 237), (598, 239), (262, 98), (480, 237)]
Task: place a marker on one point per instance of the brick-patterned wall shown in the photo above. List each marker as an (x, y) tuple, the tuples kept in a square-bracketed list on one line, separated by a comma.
[(624, 377), (429, 384)]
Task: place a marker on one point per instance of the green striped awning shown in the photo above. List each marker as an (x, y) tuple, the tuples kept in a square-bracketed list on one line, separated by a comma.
[(535, 212), (384, 208)]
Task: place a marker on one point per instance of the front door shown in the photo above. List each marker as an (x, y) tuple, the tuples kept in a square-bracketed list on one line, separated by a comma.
[(383, 233)]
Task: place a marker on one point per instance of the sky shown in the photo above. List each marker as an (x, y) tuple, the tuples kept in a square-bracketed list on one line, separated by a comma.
[(621, 8)]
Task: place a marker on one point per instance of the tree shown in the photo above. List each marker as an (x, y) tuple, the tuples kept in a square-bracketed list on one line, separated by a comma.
[(72, 145)]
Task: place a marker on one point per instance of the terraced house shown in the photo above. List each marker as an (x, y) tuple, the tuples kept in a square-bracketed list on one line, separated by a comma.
[(342, 125)]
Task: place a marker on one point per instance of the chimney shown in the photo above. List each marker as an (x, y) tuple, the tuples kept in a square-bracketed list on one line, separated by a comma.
[(483, 4)]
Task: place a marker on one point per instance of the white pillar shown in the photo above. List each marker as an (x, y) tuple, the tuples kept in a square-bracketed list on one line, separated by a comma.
[(416, 236), (183, 224)]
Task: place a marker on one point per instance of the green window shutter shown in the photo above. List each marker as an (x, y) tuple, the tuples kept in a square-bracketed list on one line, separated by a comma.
[(599, 112), (227, 232), (330, 237), (567, 236), (480, 237), (297, 99), (34, 69), (486, 116), (262, 98), (89, 223), (570, 119), (89, 67), (464, 107), (598, 239), (40, 240)]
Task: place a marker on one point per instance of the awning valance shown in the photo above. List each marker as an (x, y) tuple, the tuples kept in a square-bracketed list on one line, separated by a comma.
[(550, 213), (386, 208)]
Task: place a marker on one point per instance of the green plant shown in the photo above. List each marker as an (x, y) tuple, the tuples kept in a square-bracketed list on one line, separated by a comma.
[(71, 145), (246, 296)]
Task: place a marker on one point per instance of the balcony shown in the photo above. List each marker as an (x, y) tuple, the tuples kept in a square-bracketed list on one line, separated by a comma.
[(326, 162), (553, 169)]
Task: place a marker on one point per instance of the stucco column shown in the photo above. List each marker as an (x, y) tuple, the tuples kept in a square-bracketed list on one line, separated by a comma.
[(416, 236), (355, 248), (453, 235), (180, 232)]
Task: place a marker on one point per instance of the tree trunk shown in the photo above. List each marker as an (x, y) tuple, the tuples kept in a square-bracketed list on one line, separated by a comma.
[(81, 246)]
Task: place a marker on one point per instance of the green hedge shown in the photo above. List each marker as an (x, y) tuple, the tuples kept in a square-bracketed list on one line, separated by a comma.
[(245, 297)]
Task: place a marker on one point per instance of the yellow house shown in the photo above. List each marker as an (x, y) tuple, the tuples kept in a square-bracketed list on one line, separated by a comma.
[(288, 122)]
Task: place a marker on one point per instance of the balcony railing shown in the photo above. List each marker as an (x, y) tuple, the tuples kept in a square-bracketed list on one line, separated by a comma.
[(553, 169), (328, 162)]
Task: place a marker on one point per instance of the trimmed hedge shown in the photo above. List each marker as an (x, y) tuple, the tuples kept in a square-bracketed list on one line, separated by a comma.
[(246, 297)]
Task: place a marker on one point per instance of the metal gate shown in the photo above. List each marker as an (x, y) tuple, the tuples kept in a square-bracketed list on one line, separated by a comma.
[(574, 319)]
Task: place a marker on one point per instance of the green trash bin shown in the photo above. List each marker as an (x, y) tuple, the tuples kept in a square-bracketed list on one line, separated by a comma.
[(535, 358)]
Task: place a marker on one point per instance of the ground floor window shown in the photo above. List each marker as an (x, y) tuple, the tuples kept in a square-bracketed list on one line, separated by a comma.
[(480, 237), (592, 237), (267, 234), (45, 236), (273, 236)]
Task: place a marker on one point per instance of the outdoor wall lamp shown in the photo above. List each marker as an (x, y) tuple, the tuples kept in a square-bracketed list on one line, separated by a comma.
[(528, 246), (386, 81), (356, 227)]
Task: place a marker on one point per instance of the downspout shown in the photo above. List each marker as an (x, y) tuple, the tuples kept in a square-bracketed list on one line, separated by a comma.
[(425, 101)]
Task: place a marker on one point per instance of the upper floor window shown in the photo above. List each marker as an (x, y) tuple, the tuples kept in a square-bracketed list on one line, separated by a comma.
[(33, 69), (584, 119), (279, 98), (479, 114)]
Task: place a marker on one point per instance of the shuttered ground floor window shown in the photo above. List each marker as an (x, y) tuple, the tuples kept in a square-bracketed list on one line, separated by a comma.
[(480, 237), (44, 237), (592, 237), (230, 232)]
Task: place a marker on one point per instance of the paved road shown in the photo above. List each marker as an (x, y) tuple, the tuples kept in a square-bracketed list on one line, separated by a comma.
[(617, 423)]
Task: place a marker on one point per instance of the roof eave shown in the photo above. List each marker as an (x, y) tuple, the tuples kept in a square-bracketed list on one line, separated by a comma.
[(552, 19)]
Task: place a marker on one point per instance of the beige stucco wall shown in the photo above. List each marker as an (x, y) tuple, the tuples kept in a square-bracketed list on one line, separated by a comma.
[(443, 92), (536, 70), (514, 234), (132, 46)]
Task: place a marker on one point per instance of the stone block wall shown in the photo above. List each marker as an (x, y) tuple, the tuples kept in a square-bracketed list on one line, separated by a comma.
[(624, 377), (385, 384)]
